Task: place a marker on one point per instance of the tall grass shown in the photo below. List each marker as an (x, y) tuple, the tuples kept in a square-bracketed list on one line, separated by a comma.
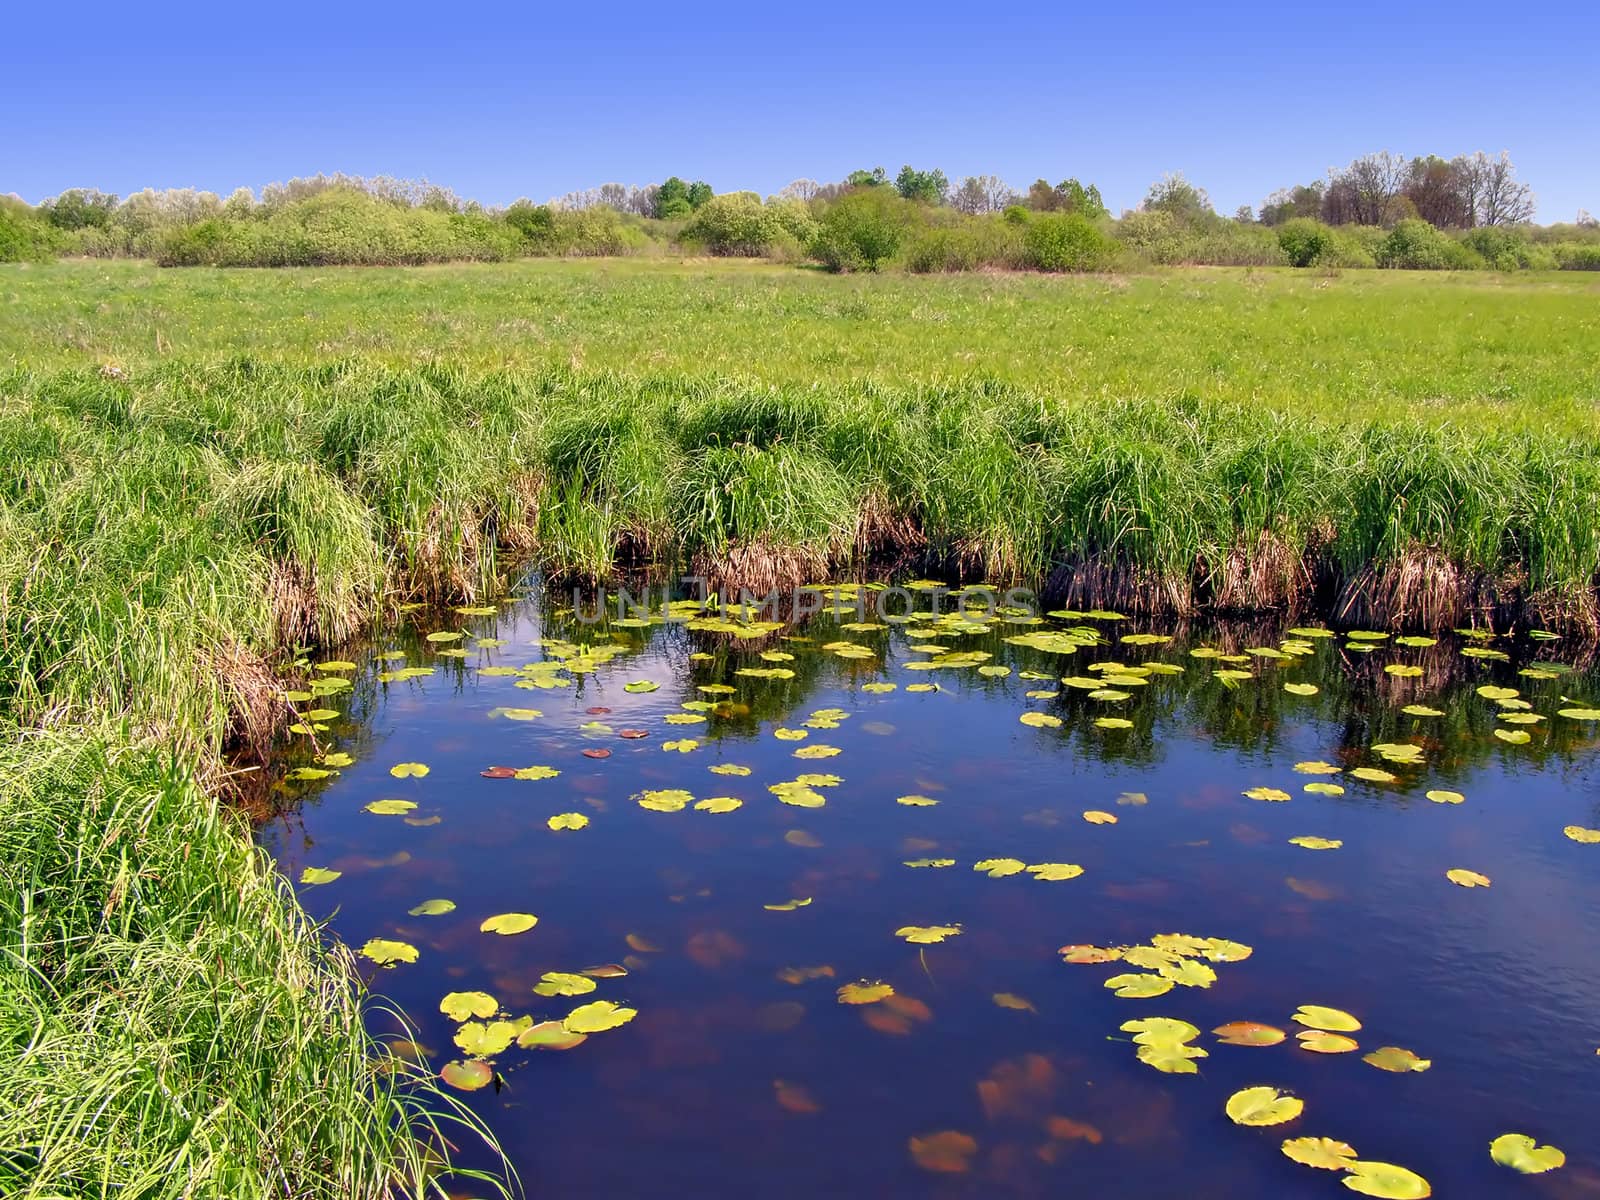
[(172, 1025)]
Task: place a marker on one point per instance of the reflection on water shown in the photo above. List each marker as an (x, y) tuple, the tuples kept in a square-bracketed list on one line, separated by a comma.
[(994, 1067)]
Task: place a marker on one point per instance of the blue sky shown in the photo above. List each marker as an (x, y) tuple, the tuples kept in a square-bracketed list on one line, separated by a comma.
[(539, 100)]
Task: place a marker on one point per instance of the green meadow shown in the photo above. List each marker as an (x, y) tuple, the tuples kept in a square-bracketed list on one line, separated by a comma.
[(203, 471)]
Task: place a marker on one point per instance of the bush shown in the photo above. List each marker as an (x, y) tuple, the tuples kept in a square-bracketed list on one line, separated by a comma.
[(1576, 256), (1306, 242), (340, 226), (535, 225), (24, 234), (1066, 242), (1417, 246), (964, 244), (739, 224), (862, 230)]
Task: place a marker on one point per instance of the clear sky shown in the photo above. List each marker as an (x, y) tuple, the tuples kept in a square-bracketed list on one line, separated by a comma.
[(541, 99)]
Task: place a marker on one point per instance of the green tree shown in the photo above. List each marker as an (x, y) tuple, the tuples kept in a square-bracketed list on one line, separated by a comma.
[(925, 187), (80, 208), (876, 177), (672, 199), (699, 192)]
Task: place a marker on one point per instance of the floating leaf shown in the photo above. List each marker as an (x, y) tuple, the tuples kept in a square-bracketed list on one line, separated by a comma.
[(409, 770), (728, 769), (1444, 796), (390, 808), (315, 875), (1422, 710), (1316, 843), (1097, 816), (535, 773), (1039, 720), (1054, 872), (1321, 1152), (863, 992), (1171, 1058), (916, 801), (1517, 1151), (1317, 767), (606, 970), (1301, 689), (1013, 1001), (681, 745), (999, 868), (1275, 795), (1090, 954), (1319, 1042), (641, 685), (948, 1153), (665, 800), (597, 1017), (1465, 878), (1515, 737), (1262, 1106), (1249, 1033), (462, 1006), (1134, 986), (1579, 714), (1321, 788), (719, 804), (1589, 837), (1386, 1180), (791, 1097), (432, 908), (926, 935), (563, 983), (787, 905), (507, 924), (816, 751), (1396, 1059), (1188, 973), (516, 714), (467, 1076), (1374, 775), (383, 951), (1317, 1016), (570, 820)]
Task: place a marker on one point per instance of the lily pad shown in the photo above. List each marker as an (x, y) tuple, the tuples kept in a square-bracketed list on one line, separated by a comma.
[(1386, 1180), (1262, 1106), (507, 924), (1517, 1151)]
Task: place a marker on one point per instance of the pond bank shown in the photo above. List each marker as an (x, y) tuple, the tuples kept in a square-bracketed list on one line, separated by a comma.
[(168, 538)]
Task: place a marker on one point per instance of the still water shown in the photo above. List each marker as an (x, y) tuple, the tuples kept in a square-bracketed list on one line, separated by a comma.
[(995, 1067)]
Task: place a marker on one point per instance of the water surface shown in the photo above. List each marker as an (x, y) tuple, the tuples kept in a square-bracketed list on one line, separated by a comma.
[(732, 1080)]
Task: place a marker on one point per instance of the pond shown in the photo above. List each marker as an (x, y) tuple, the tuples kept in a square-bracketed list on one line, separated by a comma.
[(984, 825)]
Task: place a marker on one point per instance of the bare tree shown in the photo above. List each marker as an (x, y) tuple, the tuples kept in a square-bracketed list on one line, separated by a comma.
[(981, 194), (800, 189), (1501, 198), (1375, 182)]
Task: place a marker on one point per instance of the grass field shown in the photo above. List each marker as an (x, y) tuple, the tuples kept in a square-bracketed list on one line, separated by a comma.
[(201, 469), (1462, 346)]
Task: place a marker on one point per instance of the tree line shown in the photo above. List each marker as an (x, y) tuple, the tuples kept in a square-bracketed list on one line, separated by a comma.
[(1381, 210)]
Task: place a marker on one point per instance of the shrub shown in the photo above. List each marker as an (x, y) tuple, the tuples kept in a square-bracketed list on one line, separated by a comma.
[(1066, 242), (1153, 235), (24, 233), (965, 244), (1577, 256), (739, 224), (1307, 242), (535, 225), (1416, 245), (862, 230)]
